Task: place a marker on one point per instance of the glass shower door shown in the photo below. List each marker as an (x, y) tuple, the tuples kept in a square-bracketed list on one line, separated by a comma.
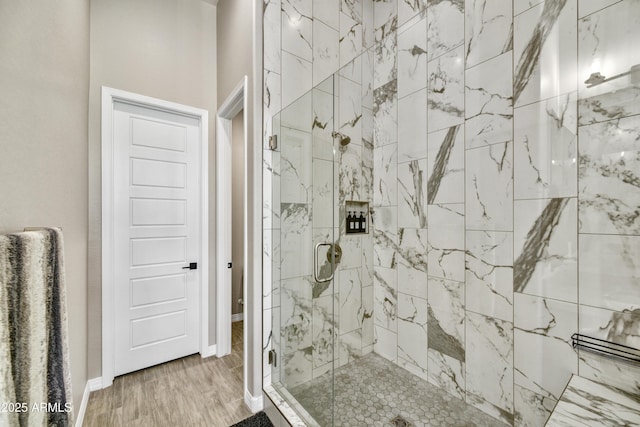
[(304, 293)]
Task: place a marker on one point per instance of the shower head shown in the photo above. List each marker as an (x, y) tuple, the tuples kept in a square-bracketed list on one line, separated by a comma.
[(344, 139)]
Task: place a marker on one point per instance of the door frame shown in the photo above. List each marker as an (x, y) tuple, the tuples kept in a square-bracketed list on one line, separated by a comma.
[(109, 97), (235, 102)]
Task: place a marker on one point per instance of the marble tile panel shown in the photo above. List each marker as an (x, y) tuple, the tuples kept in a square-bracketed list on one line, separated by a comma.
[(447, 318), (326, 51), (385, 55), (349, 347), (327, 11), (488, 30), (298, 115), (385, 236), (588, 403), (608, 174), (385, 114), (367, 58), (545, 149), (531, 409), (351, 308), (445, 26), (385, 18), (489, 188), (412, 368), (350, 39), (412, 126), (408, 9), (617, 104), (367, 316), (385, 343), (520, 6), (489, 273), (445, 90), (368, 28), (412, 262), (298, 75), (367, 259), (489, 365), (412, 57), (385, 175), (545, 51), (546, 248), (587, 7), (272, 103), (488, 102), (351, 251), (412, 186), (272, 35), (544, 358), (271, 189), (385, 298), (412, 330), (366, 189), (297, 28), (296, 172), (446, 253), (271, 264), (352, 8), (322, 193), (621, 327), (350, 110), (322, 127), (349, 167), (609, 271), (447, 373), (296, 313), (445, 166), (352, 70), (607, 44), (296, 240), (297, 367), (324, 329)]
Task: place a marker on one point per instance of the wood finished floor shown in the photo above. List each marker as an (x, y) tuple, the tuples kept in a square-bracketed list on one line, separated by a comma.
[(186, 392)]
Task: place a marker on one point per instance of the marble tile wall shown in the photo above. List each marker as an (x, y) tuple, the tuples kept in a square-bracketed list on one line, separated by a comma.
[(505, 192)]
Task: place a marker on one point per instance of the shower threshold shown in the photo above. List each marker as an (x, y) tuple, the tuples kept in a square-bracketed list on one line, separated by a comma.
[(372, 391)]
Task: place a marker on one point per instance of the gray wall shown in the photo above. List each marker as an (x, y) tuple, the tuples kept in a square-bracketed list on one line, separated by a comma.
[(44, 81), (237, 202), (160, 48)]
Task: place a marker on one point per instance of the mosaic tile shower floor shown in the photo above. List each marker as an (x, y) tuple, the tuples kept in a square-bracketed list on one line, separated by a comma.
[(372, 391)]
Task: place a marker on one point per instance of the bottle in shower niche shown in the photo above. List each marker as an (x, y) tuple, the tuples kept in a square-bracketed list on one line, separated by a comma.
[(363, 222), (350, 223), (356, 222)]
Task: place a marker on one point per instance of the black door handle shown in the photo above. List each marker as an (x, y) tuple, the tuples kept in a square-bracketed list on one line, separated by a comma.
[(192, 266)]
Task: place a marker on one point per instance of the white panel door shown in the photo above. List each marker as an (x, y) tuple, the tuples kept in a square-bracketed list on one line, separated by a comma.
[(157, 230)]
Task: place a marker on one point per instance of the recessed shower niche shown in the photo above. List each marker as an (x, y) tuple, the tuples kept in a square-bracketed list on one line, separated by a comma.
[(357, 217)]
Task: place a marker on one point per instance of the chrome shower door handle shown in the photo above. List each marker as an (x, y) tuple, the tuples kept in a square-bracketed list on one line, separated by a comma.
[(315, 264)]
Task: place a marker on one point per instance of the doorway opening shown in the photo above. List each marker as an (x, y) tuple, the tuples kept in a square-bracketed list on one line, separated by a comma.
[(232, 225)]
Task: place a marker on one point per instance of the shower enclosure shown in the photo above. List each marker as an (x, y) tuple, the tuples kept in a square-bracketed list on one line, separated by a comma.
[(452, 194)]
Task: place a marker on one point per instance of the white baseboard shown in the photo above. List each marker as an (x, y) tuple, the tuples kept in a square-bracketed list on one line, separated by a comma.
[(95, 384), (237, 317), (92, 385), (209, 351), (255, 404)]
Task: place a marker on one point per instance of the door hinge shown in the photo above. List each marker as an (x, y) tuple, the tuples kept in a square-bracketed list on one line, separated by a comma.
[(273, 358), (273, 142)]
